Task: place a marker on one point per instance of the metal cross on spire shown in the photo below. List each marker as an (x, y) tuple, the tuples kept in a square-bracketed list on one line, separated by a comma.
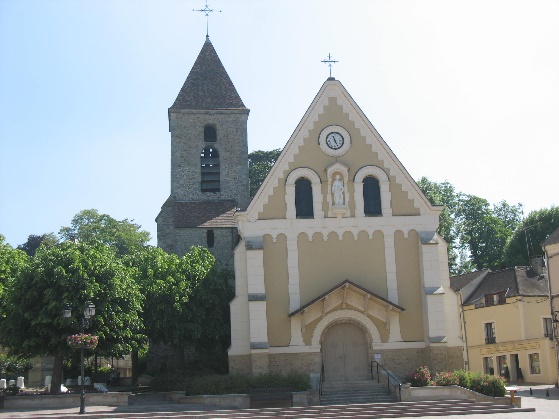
[(206, 10), (330, 61)]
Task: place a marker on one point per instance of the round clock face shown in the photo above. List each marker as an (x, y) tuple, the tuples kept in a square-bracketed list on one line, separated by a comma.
[(335, 140)]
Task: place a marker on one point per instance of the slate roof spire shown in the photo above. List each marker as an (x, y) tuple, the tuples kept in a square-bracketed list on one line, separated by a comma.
[(208, 85)]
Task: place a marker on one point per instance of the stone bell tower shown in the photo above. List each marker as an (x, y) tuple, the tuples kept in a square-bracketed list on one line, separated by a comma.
[(209, 162)]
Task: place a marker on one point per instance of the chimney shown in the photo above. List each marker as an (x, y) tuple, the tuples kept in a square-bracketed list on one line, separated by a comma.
[(537, 264)]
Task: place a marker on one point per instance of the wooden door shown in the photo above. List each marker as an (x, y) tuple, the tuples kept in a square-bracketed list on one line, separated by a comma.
[(345, 355)]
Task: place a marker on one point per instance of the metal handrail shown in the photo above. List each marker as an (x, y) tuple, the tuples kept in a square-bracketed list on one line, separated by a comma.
[(389, 375)]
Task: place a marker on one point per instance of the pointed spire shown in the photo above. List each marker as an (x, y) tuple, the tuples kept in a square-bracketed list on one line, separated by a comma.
[(208, 85)]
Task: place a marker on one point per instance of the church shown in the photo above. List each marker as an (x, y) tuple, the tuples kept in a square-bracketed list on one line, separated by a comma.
[(336, 258)]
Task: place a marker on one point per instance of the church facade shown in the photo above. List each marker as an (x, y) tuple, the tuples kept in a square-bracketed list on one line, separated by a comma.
[(337, 261)]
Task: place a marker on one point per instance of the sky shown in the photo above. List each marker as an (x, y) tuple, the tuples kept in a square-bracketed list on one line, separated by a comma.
[(463, 91)]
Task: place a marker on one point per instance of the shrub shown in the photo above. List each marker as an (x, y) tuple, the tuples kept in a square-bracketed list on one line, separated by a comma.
[(446, 379), (489, 385), (421, 377), (463, 377), (168, 381)]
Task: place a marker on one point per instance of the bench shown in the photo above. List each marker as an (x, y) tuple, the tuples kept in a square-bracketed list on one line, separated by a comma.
[(270, 397)]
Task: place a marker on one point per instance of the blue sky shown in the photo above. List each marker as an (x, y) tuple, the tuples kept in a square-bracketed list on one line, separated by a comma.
[(464, 91)]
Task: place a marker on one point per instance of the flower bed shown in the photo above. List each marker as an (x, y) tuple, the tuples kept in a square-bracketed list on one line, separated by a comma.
[(489, 385)]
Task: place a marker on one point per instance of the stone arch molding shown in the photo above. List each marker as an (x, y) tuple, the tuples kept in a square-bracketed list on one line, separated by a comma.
[(384, 184), (316, 191), (340, 315)]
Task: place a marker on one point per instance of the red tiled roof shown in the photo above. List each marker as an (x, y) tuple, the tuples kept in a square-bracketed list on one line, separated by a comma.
[(208, 214)]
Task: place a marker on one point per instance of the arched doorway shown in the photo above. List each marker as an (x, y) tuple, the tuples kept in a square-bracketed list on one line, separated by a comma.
[(345, 353)]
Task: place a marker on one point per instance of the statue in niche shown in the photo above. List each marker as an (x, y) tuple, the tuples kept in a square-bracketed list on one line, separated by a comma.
[(338, 191)]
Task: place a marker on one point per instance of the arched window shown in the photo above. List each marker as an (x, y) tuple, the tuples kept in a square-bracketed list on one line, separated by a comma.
[(303, 198), (210, 238), (371, 196), (209, 161), (210, 134)]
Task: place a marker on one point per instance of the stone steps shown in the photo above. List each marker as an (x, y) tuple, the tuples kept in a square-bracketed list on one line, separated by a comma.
[(354, 411), (355, 393)]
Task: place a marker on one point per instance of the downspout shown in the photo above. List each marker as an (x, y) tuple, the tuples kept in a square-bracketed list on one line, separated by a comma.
[(465, 334)]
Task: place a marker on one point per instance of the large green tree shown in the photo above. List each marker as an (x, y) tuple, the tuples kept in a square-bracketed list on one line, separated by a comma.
[(484, 230), (88, 226), (475, 230), (259, 164), (209, 334), (74, 273), (167, 282), (34, 241), (530, 234), (12, 262)]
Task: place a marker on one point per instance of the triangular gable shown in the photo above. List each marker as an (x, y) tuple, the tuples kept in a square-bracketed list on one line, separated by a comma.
[(333, 88), (365, 294)]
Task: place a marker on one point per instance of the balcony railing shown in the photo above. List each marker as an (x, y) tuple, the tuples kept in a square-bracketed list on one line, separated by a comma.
[(490, 339)]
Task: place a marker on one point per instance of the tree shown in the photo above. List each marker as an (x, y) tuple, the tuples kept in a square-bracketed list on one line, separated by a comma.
[(89, 226), (71, 273), (259, 164), (209, 334), (167, 282), (475, 231), (444, 194), (33, 242), (530, 234), (12, 262), (484, 231)]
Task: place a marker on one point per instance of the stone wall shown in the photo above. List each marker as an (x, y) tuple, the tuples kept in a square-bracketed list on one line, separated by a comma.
[(224, 242), (240, 364), (305, 363), (187, 142), (403, 362)]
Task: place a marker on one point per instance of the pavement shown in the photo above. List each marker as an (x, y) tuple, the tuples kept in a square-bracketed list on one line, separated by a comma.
[(544, 398)]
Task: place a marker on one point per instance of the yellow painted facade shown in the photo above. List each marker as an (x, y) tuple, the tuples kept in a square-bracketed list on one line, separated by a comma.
[(518, 338), (297, 277)]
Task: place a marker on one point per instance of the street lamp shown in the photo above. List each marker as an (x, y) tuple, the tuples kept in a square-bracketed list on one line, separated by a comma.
[(88, 313)]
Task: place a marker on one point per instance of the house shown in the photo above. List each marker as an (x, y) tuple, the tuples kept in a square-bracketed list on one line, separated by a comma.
[(506, 323), (339, 262)]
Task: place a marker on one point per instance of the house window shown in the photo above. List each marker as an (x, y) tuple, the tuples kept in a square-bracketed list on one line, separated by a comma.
[(488, 366), (534, 363), (502, 366), (303, 198), (210, 134), (547, 332), (371, 196), (489, 332), (495, 299), (209, 161), (210, 238)]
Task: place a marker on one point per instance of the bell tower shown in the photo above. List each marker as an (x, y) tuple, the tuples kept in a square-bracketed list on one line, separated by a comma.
[(209, 162)]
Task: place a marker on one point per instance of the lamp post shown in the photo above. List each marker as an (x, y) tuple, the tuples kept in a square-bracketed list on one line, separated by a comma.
[(88, 313)]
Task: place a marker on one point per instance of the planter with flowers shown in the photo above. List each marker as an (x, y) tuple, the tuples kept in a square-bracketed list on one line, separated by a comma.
[(83, 339)]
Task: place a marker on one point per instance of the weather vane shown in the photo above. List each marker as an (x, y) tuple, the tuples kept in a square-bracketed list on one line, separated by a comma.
[(330, 61), (206, 10)]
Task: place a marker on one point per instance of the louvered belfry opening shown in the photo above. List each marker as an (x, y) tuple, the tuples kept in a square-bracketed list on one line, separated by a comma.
[(209, 161), (210, 134)]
